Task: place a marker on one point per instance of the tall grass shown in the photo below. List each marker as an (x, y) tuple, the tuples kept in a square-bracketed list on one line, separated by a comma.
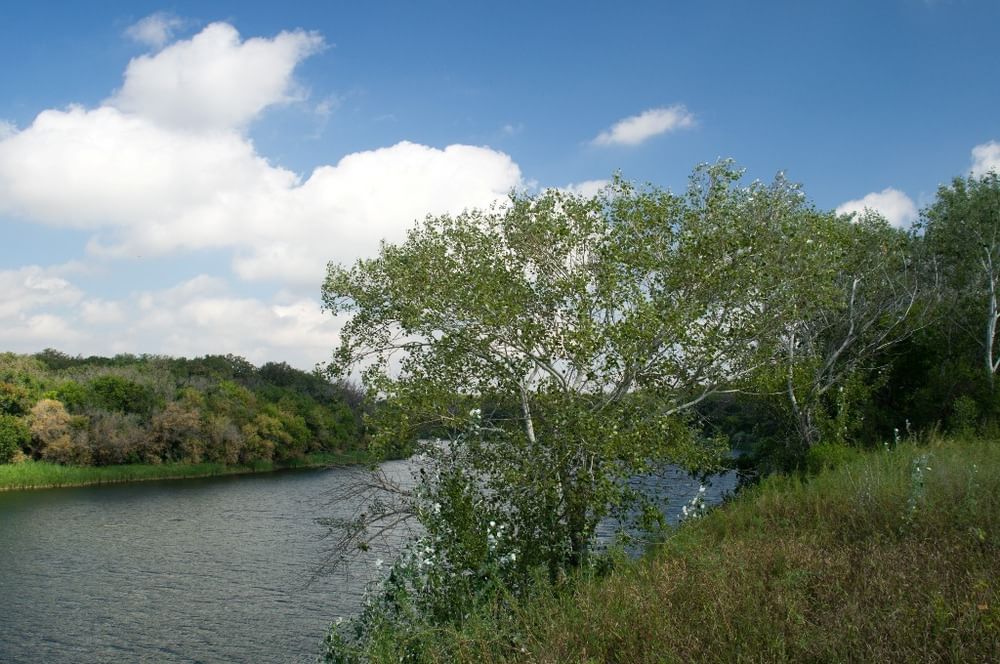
[(893, 557), (41, 474)]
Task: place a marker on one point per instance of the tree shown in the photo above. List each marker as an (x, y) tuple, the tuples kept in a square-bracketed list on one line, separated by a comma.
[(556, 343), (962, 228), (848, 290)]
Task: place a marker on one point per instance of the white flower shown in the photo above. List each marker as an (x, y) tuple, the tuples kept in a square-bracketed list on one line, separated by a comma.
[(493, 524), (378, 563)]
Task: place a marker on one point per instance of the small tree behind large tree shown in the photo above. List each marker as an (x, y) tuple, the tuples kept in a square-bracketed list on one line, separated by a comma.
[(962, 228), (848, 290)]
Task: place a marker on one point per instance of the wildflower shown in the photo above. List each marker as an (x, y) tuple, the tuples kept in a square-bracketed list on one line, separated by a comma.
[(378, 563)]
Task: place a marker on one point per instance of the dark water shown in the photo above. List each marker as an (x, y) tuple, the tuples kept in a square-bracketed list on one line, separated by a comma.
[(214, 570)]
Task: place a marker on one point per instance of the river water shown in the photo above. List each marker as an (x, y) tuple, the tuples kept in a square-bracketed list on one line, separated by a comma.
[(209, 570)]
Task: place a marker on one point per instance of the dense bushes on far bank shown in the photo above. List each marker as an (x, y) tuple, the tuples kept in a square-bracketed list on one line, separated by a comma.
[(159, 410)]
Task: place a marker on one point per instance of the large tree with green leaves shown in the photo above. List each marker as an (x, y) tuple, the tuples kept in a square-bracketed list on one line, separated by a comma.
[(557, 342)]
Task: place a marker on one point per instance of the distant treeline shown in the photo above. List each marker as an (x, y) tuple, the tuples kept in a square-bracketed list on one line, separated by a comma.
[(154, 409)]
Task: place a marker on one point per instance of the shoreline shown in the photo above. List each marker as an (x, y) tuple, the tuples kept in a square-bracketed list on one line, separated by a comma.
[(31, 475)]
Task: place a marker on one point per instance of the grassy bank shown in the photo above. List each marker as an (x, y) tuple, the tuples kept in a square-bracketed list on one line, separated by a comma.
[(892, 557), (40, 474)]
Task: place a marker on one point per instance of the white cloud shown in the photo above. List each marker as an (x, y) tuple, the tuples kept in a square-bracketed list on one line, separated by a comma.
[(898, 208), (7, 129), (145, 187), (101, 312), (587, 188), (201, 316), (28, 288), (639, 128), (165, 166), (986, 158), (156, 29), (110, 168), (213, 80), (25, 291)]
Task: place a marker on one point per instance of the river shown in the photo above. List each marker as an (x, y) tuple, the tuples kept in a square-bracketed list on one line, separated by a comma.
[(206, 570)]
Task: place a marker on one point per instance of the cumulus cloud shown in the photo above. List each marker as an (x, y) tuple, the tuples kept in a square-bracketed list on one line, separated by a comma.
[(198, 316), (155, 30), (165, 165), (587, 188), (201, 316), (7, 129), (898, 208), (144, 183), (29, 288), (28, 297), (639, 128), (986, 158), (214, 80)]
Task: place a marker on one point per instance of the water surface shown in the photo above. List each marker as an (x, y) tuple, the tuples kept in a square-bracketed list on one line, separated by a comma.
[(206, 570)]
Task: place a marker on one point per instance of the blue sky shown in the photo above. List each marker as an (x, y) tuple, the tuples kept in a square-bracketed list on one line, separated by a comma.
[(173, 177)]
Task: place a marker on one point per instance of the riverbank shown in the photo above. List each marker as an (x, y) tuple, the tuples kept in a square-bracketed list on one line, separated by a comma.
[(44, 475), (894, 556)]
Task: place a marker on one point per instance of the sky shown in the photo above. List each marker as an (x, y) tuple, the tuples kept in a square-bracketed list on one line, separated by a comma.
[(175, 177)]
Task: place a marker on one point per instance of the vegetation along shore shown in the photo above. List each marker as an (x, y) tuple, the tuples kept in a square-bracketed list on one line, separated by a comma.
[(71, 421)]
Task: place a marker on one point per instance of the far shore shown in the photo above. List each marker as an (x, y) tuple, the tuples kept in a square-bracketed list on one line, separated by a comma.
[(44, 475)]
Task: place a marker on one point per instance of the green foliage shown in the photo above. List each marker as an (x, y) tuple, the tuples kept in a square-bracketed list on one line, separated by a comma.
[(848, 292), (14, 435), (150, 409), (962, 233), (114, 393), (14, 400), (589, 328)]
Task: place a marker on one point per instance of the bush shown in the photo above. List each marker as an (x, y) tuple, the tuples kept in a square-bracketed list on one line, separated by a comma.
[(68, 450), (14, 434), (14, 400), (119, 394), (49, 422), (119, 438)]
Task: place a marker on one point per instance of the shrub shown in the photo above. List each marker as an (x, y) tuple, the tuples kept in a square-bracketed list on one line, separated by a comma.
[(177, 433), (14, 400), (14, 434), (119, 438), (68, 450), (115, 393), (49, 422)]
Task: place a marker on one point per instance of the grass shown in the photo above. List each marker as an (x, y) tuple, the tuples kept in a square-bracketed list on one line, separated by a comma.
[(42, 475), (892, 557)]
